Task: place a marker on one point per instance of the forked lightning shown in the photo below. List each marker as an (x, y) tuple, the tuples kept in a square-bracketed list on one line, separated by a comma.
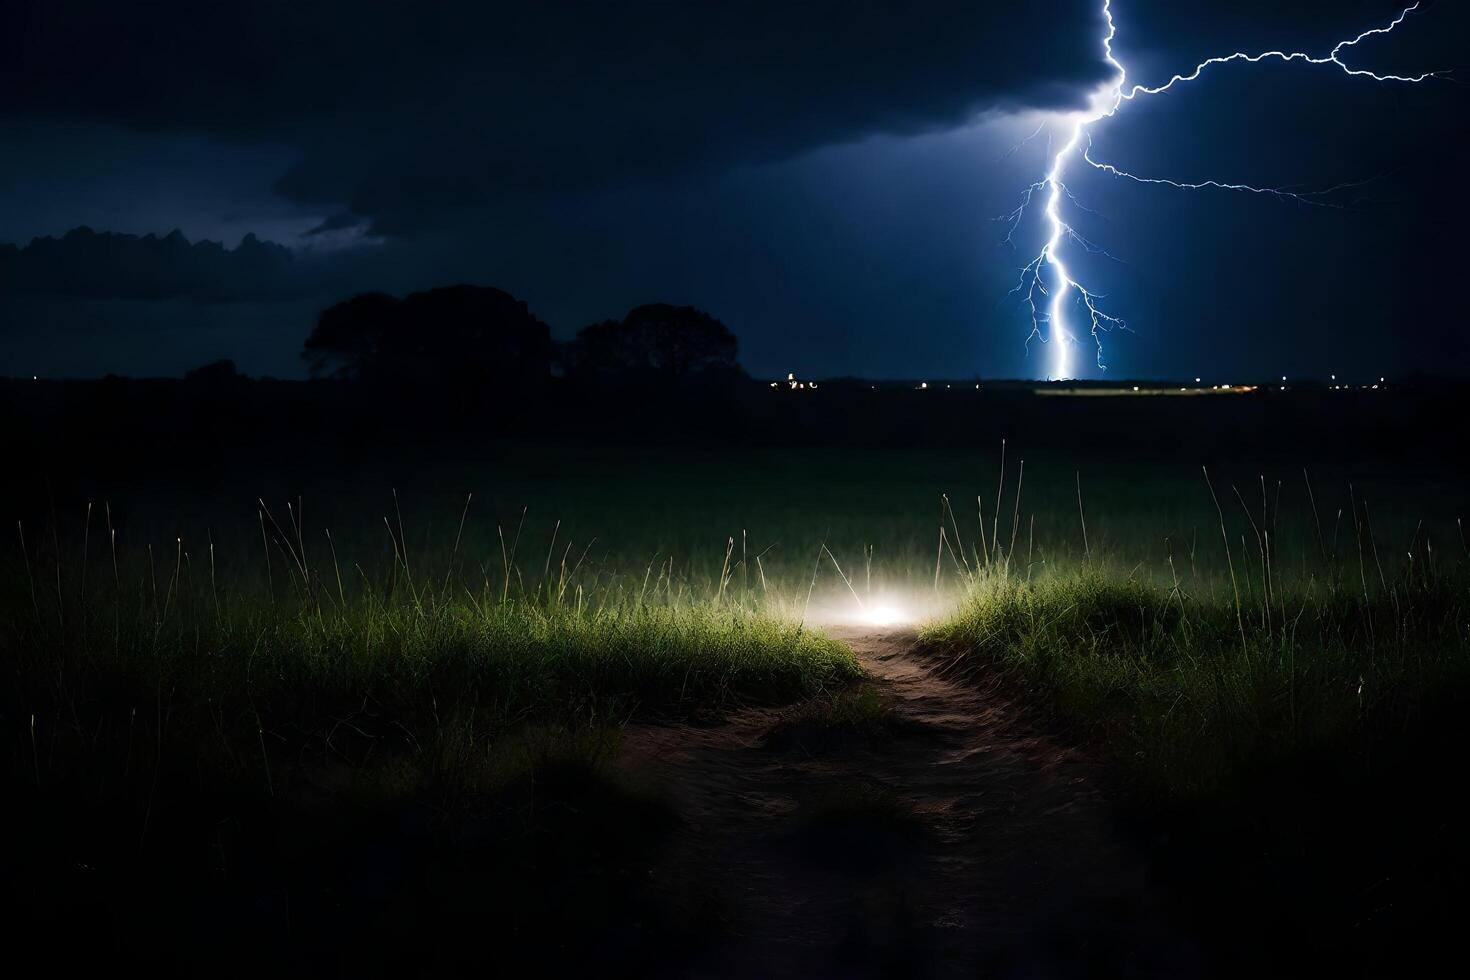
[(1046, 285)]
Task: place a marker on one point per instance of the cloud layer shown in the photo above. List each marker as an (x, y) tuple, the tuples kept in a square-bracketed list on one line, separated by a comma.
[(405, 114), (85, 264)]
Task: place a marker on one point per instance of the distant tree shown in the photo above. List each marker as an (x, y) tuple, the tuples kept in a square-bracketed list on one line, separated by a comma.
[(349, 335), (451, 335), (468, 332), (657, 342), (222, 371)]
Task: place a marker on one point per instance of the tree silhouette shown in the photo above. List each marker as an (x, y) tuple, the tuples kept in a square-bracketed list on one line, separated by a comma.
[(453, 335), (658, 343), (349, 335)]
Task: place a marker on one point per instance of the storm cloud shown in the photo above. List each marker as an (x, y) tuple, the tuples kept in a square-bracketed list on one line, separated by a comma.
[(85, 264), (405, 113), (822, 176)]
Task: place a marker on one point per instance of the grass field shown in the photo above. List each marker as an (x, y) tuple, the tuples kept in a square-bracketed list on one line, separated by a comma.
[(440, 630), (1190, 691), (1187, 615)]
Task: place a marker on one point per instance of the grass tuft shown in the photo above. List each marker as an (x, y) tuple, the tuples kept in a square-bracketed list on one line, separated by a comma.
[(1189, 697)]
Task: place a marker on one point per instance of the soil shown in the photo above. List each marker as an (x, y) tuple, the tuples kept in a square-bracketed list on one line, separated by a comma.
[(951, 838)]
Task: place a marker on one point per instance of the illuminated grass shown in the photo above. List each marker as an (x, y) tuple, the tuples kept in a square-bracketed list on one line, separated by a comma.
[(1188, 693), (675, 584), (266, 683), (220, 698)]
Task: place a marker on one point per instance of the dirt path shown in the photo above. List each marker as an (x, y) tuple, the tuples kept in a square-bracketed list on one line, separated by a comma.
[(955, 840)]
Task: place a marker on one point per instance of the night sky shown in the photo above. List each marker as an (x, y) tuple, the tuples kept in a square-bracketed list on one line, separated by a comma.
[(822, 176)]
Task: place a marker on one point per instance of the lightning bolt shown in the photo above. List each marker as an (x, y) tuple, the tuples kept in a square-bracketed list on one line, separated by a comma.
[(1046, 286)]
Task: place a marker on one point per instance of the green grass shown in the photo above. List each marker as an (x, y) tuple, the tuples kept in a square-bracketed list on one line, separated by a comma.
[(1283, 719), (1191, 692), (452, 683), (584, 585), (224, 718), (185, 663)]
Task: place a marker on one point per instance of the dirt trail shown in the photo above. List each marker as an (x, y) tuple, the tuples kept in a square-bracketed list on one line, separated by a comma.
[(958, 841)]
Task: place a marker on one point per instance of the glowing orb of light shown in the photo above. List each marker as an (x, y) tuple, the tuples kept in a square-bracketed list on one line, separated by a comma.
[(883, 614)]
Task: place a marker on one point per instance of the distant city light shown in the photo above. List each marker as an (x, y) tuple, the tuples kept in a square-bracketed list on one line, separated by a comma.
[(795, 385)]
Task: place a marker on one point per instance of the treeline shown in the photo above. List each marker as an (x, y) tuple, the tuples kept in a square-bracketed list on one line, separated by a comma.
[(479, 337), (450, 364)]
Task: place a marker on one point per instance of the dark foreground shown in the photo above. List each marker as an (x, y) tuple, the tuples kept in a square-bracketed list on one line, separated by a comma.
[(917, 825), (930, 821), (922, 823), (946, 836)]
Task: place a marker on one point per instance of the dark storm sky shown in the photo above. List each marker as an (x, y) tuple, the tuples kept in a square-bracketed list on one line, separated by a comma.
[(822, 176)]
